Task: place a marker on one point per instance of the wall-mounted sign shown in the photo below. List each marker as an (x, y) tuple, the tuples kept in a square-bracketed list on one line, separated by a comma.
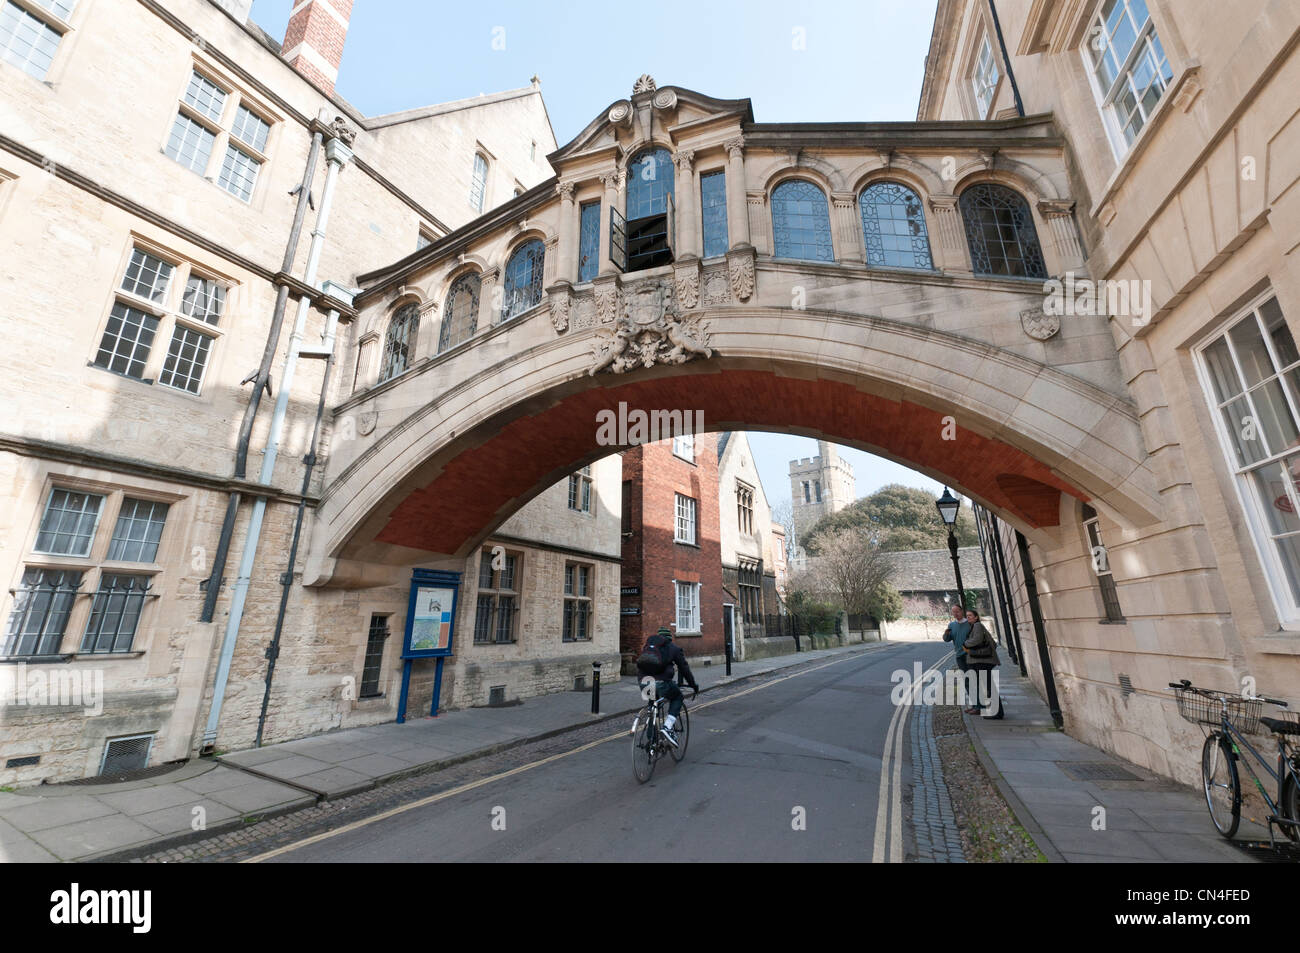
[(630, 591), (630, 610), (430, 625)]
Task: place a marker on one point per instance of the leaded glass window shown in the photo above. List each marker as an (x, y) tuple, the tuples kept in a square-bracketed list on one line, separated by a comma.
[(713, 213), (523, 285), (589, 241), (498, 599), (147, 276), (801, 222), (460, 315), (399, 342), (577, 602), (1000, 232), (40, 612), (893, 225), (187, 360), (128, 337), (115, 613), (138, 530), (68, 523), (649, 184)]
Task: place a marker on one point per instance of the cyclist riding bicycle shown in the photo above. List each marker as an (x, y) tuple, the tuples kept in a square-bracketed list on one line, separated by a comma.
[(661, 660)]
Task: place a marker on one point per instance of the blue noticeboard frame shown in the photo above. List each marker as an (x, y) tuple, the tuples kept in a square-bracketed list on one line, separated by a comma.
[(430, 627)]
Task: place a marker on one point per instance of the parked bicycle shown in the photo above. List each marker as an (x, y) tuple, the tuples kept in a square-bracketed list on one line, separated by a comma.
[(1231, 717), (649, 741)]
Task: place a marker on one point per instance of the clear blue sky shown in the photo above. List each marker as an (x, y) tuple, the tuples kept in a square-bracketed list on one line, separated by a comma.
[(812, 61)]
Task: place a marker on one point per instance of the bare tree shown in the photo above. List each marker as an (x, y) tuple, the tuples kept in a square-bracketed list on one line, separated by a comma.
[(783, 513), (851, 568)]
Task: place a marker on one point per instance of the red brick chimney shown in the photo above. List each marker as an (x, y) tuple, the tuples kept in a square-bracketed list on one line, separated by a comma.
[(313, 41)]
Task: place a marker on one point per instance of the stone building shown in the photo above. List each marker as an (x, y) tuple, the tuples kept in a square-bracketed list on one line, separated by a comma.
[(1180, 126), (748, 559), (672, 552), (147, 253), (819, 486)]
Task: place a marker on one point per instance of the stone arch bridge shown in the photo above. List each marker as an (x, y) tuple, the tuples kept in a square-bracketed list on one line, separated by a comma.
[(771, 286)]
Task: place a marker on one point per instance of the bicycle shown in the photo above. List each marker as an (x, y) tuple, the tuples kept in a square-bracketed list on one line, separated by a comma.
[(1232, 717), (648, 742)]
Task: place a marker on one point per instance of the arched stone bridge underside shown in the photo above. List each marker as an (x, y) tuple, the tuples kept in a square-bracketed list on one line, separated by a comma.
[(457, 444)]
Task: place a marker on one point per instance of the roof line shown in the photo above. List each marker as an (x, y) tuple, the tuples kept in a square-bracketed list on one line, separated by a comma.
[(439, 109)]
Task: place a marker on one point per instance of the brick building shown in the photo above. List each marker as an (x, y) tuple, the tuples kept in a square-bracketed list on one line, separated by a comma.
[(672, 553)]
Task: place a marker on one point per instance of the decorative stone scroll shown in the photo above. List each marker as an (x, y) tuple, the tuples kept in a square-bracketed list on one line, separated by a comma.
[(561, 300), (740, 268), (649, 331)]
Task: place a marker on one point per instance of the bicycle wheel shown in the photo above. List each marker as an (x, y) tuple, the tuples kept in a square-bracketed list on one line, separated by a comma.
[(1222, 789), (683, 732), (1289, 806), (643, 748)]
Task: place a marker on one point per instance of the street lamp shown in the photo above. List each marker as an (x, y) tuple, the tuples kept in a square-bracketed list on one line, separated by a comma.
[(948, 507)]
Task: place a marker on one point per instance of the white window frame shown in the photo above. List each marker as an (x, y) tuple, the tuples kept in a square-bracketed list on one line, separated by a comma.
[(478, 187), (169, 311), (693, 590), (1105, 98), (1285, 603), (686, 517), (684, 447), (981, 84), (222, 128), (52, 21), (585, 491)]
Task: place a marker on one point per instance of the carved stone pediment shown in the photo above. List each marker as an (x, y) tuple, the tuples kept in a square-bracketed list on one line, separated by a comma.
[(649, 331)]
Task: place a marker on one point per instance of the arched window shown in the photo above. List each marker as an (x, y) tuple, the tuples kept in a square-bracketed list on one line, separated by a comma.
[(801, 222), (399, 342), (460, 311), (893, 224), (649, 183), (523, 287), (1000, 231)]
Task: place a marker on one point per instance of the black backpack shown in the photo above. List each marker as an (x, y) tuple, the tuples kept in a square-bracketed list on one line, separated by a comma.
[(653, 659)]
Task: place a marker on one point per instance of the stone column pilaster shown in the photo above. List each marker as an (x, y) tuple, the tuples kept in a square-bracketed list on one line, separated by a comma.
[(737, 205), (953, 255), (849, 244), (1059, 216), (566, 268), (687, 241)]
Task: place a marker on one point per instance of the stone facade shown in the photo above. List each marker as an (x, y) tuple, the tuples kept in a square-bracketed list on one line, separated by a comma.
[(84, 183), (1201, 208), (748, 557), (819, 486)]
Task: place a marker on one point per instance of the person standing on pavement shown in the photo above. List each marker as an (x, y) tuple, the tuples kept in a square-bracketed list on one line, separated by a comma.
[(982, 659), (957, 632)]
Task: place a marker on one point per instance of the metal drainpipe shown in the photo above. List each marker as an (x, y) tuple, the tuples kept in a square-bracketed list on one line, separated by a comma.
[(309, 461), (1044, 657), (995, 597), (337, 155), (1006, 61), (1000, 567), (213, 588)]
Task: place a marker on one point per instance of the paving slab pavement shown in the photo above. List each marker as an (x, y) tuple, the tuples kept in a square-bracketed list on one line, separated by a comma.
[(1149, 819)]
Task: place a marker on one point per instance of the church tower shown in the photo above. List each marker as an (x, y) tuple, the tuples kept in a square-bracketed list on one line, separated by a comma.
[(818, 487)]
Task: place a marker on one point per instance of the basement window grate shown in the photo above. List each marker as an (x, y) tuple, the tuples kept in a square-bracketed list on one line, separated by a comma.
[(1126, 685), (126, 754), (497, 695), (25, 762), (580, 683), (1096, 771)]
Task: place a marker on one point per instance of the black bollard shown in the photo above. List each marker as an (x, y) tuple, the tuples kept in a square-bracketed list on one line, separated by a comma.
[(595, 688), (727, 641)]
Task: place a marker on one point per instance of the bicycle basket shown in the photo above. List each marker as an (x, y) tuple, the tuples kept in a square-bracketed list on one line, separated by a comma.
[(1207, 708)]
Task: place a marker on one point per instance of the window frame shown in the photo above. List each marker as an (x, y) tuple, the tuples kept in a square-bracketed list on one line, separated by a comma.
[(582, 490), (584, 601), (1105, 99), (1106, 586), (745, 508), (55, 23), (479, 185), (720, 222), (866, 239), (690, 519), (378, 658), (1286, 604), (536, 279), (683, 447), (170, 315), (410, 313), (695, 607), (223, 130), (825, 206), (978, 76), (495, 592)]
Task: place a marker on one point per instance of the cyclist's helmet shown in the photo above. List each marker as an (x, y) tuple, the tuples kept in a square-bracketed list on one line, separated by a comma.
[(665, 632)]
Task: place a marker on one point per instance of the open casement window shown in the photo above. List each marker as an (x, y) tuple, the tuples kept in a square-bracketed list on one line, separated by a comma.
[(498, 598), (161, 298), (649, 225), (219, 134), (74, 545), (1127, 67), (984, 77), (1251, 374), (1101, 565)]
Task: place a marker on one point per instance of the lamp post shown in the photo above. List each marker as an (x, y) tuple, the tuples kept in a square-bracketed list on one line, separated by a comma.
[(948, 507)]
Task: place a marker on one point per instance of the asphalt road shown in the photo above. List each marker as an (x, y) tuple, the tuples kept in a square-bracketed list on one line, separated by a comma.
[(814, 740)]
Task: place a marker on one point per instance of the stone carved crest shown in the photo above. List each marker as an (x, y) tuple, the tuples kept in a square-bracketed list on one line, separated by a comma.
[(583, 315), (742, 277), (650, 331), (645, 84), (1038, 325), (715, 288), (366, 422)]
